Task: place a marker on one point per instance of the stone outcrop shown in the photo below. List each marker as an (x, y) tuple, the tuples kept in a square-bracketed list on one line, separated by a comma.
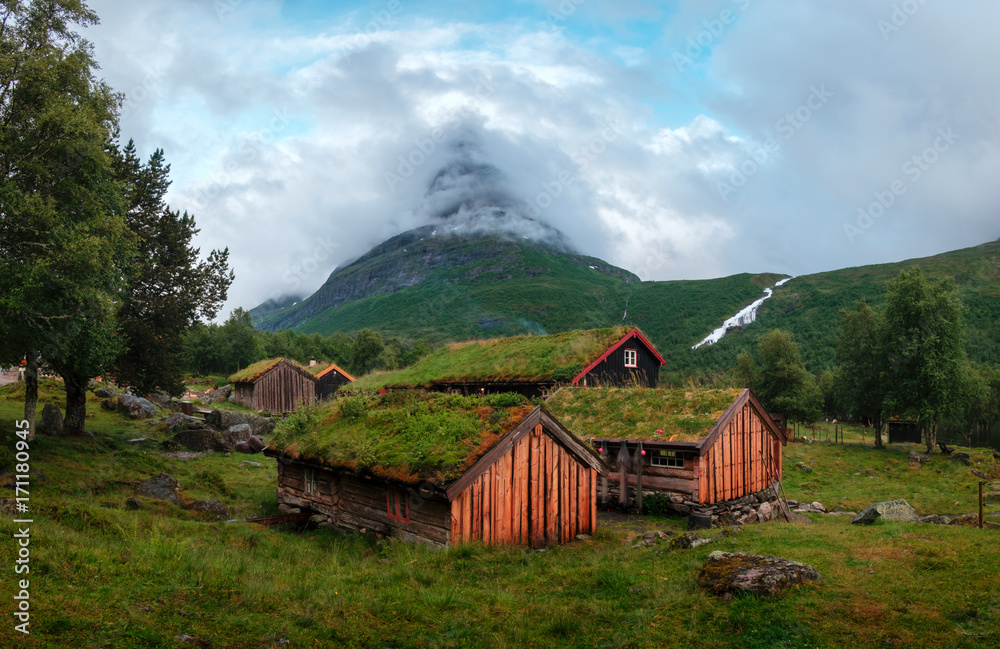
[(51, 423), (163, 487), (732, 572), (888, 510), (224, 419), (199, 440), (136, 407)]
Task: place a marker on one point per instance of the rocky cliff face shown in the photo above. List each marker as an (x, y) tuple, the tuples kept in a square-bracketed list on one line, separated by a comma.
[(418, 255)]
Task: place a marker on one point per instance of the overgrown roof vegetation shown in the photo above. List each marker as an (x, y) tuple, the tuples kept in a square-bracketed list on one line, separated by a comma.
[(683, 415), (555, 357), (253, 371), (402, 435)]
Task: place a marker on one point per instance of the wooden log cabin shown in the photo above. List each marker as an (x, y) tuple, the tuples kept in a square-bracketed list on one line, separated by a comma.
[(531, 365), (275, 385), (705, 446), (443, 469), (329, 379)]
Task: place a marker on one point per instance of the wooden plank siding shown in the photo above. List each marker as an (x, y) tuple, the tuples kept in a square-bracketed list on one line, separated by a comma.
[(280, 389), (536, 494), (743, 459)]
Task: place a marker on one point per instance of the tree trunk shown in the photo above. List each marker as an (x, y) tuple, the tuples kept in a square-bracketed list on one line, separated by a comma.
[(931, 436), (878, 433), (31, 391), (76, 404)]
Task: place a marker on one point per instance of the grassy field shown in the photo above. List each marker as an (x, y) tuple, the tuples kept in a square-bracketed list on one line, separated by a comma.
[(104, 576)]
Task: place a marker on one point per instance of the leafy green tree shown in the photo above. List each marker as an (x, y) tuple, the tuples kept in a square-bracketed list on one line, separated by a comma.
[(780, 379), (169, 289), (367, 353), (925, 347), (62, 233), (861, 355), (240, 343)]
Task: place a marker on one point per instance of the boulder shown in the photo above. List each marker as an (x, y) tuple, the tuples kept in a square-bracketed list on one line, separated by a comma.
[(764, 512), (162, 487), (688, 540), (818, 507), (52, 421), (110, 404), (889, 510), (179, 421), (106, 391), (238, 433), (936, 519), (214, 507), (136, 407), (966, 520), (731, 572), (964, 458), (917, 458), (133, 503), (803, 467), (160, 398), (223, 419), (222, 394), (202, 439), (93, 384)]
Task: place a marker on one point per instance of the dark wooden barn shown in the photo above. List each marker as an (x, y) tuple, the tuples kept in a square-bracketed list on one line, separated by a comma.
[(531, 365), (330, 379), (705, 446), (275, 385), (521, 480)]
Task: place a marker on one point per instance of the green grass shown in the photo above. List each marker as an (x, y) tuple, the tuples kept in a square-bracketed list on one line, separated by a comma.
[(105, 576)]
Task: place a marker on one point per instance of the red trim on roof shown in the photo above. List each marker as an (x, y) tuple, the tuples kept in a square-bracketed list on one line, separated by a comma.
[(333, 366), (634, 333)]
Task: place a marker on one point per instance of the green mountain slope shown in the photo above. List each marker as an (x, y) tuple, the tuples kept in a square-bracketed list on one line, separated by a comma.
[(809, 306), (445, 288)]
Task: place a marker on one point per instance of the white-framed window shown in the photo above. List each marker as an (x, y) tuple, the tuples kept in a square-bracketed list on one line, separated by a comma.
[(312, 482), (631, 358), (671, 459)]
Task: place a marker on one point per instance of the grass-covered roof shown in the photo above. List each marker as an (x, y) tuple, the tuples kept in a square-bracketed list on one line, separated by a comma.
[(403, 435), (683, 415), (555, 357), (255, 370)]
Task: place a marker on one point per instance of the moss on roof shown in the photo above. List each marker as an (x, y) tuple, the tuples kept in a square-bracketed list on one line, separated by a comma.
[(555, 357), (683, 415), (404, 435), (255, 370)]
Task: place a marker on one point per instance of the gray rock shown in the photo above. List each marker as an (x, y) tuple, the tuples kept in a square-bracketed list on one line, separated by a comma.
[(93, 384), (890, 510), (238, 433), (731, 572), (162, 487), (136, 407), (106, 391), (201, 440), (964, 458), (133, 503), (935, 519), (699, 521), (160, 398), (214, 507), (727, 519), (51, 423), (179, 421), (803, 467), (764, 512), (917, 458), (818, 507), (582, 537), (222, 394), (688, 540), (223, 419)]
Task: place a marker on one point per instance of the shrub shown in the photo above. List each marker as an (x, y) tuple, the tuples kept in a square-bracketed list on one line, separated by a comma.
[(656, 504)]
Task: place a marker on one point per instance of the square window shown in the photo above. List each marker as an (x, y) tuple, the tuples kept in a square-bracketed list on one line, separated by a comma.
[(311, 482), (397, 504), (631, 358), (671, 459)]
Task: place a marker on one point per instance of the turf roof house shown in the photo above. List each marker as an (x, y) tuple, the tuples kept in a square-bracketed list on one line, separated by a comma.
[(532, 365), (275, 384), (329, 379), (699, 446), (442, 469)]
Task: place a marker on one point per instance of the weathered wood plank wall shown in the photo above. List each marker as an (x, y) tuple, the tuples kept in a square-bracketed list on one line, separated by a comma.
[(744, 459), (536, 494)]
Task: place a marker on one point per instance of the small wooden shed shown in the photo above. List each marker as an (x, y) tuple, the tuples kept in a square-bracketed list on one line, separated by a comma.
[(443, 469), (275, 384), (329, 379), (531, 365), (705, 446)]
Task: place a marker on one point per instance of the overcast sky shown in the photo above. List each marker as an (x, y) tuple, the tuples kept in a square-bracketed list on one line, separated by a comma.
[(679, 140)]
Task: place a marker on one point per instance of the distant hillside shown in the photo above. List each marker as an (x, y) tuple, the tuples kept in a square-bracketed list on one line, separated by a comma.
[(809, 306), (423, 284)]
